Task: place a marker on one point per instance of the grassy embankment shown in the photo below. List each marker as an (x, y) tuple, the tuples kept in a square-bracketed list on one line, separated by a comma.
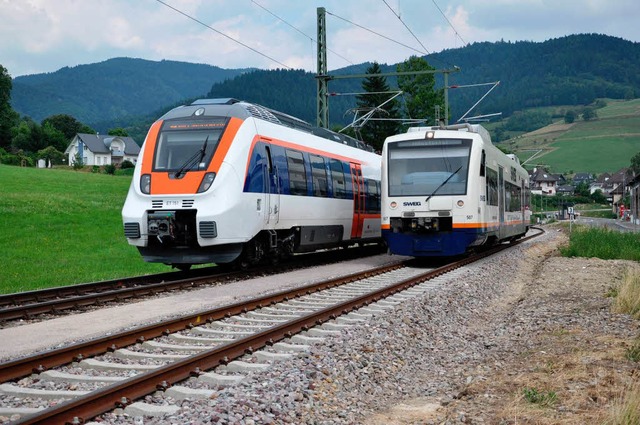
[(61, 227), (607, 244), (605, 144)]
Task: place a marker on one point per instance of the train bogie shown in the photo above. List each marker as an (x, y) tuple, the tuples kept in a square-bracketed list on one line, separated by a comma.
[(447, 190)]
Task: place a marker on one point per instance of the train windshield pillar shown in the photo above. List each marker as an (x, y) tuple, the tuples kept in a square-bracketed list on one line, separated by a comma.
[(428, 167)]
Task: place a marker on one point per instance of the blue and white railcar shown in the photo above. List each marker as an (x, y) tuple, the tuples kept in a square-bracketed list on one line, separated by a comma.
[(448, 189), (222, 180)]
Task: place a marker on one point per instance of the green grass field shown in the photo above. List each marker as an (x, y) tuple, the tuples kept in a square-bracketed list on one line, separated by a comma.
[(602, 243), (61, 227), (605, 144)]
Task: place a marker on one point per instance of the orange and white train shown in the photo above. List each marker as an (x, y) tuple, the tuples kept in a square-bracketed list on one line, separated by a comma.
[(221, 181), (446, 190)]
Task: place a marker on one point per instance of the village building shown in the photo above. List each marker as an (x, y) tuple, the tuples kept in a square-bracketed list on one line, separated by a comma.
[(100, 150), (542, 182)]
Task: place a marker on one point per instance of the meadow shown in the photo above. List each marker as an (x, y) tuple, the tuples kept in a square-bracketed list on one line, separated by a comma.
[(61, 227), (605, 144)]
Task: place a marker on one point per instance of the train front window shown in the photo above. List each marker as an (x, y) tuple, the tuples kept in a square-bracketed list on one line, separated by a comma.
[(432, 167), (187, 145)]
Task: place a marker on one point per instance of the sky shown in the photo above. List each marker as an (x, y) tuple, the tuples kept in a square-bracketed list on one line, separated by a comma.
[(38, 36)]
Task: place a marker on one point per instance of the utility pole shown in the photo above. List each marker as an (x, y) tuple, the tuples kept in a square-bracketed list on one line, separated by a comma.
[(323, 79)]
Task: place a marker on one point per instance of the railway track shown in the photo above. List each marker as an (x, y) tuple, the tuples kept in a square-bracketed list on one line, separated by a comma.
[(214, 347), (31, 304)]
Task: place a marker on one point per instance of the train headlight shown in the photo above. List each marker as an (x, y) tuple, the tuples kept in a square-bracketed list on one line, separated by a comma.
[(207, 181), (145, 184), (460, 203), (393, 205)]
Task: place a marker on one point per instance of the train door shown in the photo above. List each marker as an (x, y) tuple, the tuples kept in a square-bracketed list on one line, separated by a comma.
[(272, 189), (501, 201), (358, 200)]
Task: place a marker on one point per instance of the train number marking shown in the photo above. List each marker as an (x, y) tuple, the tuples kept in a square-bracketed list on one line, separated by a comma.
[(172, 203)]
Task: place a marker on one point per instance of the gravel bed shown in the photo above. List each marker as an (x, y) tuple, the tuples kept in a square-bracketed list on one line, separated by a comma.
[(425, 347)]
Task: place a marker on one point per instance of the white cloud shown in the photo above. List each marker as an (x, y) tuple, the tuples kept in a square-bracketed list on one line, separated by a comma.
[(45, 35)]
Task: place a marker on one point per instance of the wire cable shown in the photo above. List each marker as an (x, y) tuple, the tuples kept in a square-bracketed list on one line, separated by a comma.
[(450, 24), (376, 33), (405, 25), (223, 34), (301, 32)]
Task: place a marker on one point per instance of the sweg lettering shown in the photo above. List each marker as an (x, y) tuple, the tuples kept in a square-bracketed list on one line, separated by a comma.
[(412, 204)]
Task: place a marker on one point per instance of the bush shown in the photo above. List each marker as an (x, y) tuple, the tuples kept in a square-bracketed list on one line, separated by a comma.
[(110, 169), (127, 164), (95, 169)]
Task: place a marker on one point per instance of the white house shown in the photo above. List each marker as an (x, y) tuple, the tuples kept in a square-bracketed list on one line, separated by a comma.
[(96, 149)]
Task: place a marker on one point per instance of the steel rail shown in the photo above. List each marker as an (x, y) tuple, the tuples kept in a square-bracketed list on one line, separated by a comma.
[(121, 394), (38, 363), (26, 305)]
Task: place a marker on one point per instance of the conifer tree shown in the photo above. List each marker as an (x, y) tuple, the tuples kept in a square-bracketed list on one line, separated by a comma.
[(382, 123)]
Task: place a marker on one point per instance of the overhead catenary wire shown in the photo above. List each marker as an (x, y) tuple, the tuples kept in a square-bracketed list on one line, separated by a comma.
[(405, 25), (376, 33), (223, 34), (450, 24), (296, 29)]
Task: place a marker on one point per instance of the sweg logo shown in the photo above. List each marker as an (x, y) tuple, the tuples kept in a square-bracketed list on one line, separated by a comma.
[(412, 204)]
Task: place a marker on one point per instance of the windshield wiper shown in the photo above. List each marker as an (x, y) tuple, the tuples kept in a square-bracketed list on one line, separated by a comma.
[(442, 184), (195, 159)]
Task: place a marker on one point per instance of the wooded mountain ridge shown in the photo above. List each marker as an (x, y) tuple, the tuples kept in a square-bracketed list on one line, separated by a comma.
[(125, 92)]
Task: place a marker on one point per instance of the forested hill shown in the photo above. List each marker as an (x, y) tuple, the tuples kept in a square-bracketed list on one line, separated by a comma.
[(571, 70), (116, 89)]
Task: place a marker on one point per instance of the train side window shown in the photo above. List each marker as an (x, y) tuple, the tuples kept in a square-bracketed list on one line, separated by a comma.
[(492, 187), (513, 197), (319, 176), (297, 173), (269, 163), (373, 197), (483, 163), (337, 177)]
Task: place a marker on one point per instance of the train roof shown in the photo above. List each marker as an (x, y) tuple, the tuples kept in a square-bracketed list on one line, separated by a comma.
[(466, 127), (231, 107)]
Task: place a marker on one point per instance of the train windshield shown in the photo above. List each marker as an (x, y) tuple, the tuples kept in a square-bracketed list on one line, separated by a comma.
[(185, 146), (433, 167)]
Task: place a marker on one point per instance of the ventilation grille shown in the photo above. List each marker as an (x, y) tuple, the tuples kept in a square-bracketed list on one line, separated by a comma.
[(158, 204), (208, 229), (262, 113), (132, 230)]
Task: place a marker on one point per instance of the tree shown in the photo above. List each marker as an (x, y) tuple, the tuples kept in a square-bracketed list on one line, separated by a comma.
[(78, 161), (635, 163), (589, 113), (54, 137), (67, 125), (27, 136), (118, 131), (570, 116), (8, 117), (377, 92), (51, 155), (420, 97)]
